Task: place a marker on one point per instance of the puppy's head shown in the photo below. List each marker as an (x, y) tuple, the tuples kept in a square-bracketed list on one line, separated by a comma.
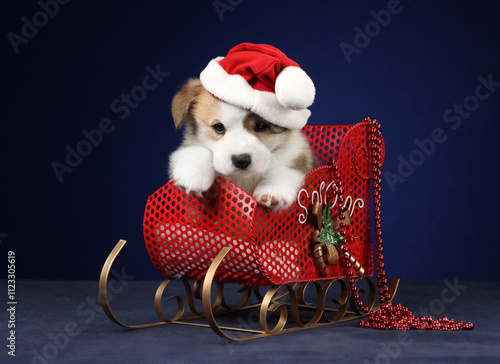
[(241, 141)]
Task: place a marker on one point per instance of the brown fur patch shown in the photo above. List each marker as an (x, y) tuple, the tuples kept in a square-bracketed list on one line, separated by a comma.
[(197, 108), (184, 100), (260, 127), (205, 114), (306, 162)]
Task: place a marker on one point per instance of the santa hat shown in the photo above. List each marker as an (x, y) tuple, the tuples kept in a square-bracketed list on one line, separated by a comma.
[(262, 79)]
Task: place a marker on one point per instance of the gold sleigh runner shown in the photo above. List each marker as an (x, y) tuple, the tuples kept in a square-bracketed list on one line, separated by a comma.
[(314, 260), (288, 300)]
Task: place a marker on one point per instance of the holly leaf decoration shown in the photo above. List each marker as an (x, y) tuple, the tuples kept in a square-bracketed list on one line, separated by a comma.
[(328, 235)]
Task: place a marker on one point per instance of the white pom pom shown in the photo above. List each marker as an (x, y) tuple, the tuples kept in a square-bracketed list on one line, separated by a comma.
[(294, 89)]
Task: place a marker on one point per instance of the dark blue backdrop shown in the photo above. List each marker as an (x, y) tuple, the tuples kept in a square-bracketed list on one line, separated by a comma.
[(428, 71)]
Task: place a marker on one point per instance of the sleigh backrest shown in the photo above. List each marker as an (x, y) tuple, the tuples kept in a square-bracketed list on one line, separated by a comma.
[(183, 232)]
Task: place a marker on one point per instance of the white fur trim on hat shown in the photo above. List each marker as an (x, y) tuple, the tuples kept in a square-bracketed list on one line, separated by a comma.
[(235, 90), (267, 106)]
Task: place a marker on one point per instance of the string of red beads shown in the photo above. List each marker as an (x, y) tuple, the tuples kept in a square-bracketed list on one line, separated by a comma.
[(389, 316), (397, 317), (375, 141), (376, 144)]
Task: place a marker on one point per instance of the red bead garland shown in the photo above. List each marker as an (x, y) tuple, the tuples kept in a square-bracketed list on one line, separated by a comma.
[(375, 139), (389, 316), (397, 317)]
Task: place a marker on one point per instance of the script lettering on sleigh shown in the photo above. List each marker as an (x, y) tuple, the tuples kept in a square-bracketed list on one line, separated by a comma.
[(320, 195)]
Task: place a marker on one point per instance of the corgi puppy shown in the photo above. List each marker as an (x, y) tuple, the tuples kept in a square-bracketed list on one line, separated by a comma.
[(267, 161)]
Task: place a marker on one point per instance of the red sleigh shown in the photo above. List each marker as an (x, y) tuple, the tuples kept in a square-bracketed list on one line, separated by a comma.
[(226, 237)]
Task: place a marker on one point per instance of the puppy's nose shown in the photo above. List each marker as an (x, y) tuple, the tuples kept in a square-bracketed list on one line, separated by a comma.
[(241, 161)]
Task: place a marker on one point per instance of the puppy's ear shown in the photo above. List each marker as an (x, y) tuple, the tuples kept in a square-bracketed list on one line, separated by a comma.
[(184, 100)]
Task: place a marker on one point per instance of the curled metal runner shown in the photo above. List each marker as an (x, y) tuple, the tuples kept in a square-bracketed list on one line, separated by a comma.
[(276, 306)]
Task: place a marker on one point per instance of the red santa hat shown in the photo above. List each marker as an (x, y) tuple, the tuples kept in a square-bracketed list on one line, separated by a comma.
[(262, 79)]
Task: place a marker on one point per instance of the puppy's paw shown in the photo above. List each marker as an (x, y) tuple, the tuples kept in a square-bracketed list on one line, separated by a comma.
[(193, 180), (191, 168), (275, 198), (279, 188)]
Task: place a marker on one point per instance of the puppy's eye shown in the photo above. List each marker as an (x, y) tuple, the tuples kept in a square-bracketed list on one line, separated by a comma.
[(260, 127), (219, 128)]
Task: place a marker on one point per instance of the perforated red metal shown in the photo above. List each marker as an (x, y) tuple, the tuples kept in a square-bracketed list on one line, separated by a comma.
[(184, 232)]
